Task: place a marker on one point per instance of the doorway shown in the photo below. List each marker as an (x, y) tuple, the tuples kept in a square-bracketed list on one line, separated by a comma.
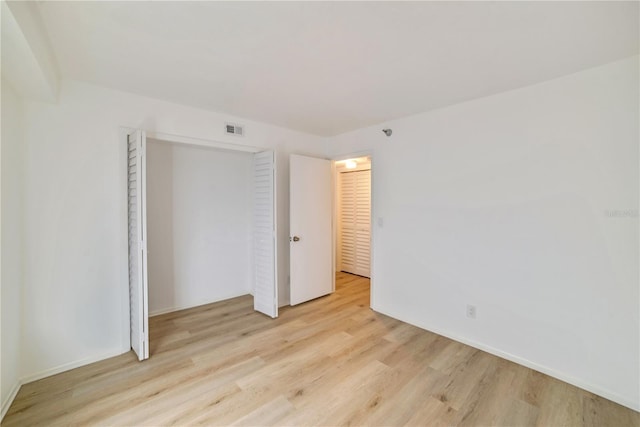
[(316, 229), (353, 216)]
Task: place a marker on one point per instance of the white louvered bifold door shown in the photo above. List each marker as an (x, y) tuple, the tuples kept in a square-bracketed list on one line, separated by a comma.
[(355, 222), (265, 294), (137, 218)]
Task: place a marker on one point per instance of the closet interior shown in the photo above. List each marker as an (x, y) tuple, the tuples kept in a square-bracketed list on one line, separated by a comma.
[(199, 222)]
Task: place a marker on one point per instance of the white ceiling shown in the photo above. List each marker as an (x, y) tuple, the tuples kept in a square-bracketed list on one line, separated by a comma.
[(330, 67)]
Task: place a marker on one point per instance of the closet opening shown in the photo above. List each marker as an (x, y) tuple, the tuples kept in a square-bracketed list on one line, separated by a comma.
[(199, 205), (202, 228)]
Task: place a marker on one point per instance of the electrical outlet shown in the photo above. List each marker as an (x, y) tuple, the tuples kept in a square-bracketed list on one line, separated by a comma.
[(471, 311)]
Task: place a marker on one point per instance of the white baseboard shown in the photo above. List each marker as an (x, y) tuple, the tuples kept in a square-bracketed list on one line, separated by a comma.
[(160, 311), (68, 366), (9, 400), (607, 394)]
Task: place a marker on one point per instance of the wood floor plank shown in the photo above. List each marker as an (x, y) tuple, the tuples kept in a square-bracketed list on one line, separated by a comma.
[(268, 414), (220, 383), (330, 361)]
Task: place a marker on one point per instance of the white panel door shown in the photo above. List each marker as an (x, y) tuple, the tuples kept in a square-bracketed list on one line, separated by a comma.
[(355, 222), (265, 289), (310, 199), (137, 218)]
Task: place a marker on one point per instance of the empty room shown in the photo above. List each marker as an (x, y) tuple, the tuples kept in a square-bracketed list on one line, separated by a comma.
[(320, 213)]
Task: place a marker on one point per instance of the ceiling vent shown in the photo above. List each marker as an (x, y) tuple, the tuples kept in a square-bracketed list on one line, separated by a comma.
[(232, 129)]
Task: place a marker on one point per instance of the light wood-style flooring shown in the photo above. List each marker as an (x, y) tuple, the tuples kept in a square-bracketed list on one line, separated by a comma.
[(331, 362)]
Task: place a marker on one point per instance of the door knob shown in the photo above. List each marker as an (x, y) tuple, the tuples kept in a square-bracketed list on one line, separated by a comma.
[(296, 239)]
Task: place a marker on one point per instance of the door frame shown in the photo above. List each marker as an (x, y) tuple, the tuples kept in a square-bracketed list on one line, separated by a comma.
[(182, 140), (334, 159)]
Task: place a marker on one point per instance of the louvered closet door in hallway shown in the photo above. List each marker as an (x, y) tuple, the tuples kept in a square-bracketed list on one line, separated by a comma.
[(355, 222)]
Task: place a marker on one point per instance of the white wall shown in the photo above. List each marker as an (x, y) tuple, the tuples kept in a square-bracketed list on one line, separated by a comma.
[(199, 204), (510, 203), (75, 284), (11, 277), (28, 63)]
